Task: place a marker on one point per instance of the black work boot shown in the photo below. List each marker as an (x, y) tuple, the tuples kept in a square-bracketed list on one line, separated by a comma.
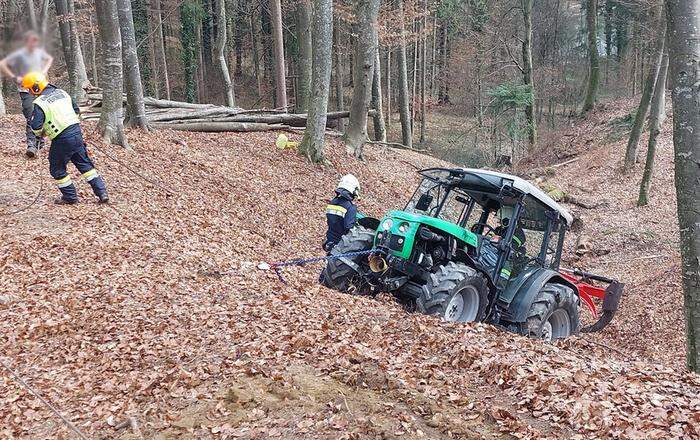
[(64, 201), (31, 151)]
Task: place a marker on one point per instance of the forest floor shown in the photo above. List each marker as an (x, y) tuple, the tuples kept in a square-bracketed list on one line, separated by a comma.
[(152, 307)]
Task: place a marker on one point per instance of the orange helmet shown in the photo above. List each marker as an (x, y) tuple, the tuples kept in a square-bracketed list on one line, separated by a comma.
[(35, 82)]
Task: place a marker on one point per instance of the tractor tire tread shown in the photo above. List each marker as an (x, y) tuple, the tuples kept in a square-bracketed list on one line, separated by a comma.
[(551, 297), (443, 283), (337, 275)]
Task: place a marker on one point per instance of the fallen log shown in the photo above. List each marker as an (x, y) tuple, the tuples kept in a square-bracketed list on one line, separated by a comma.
[(218, 127), (291, 119), (192, 114), (164, 103)]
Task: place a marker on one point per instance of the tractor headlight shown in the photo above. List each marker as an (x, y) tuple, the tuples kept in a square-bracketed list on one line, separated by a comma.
[(404, 227), (388, 223)]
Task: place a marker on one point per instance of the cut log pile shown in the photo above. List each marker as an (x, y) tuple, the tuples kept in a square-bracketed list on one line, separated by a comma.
[(187, 116)]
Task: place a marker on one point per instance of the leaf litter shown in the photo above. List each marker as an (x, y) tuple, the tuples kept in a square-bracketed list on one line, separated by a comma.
[(152, 310)]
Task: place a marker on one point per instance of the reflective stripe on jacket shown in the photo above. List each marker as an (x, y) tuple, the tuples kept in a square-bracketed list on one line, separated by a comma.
[(341, 215)]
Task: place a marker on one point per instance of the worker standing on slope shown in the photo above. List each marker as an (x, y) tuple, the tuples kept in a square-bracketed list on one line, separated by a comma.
[(341, 213), (29, 58), (56, 116)]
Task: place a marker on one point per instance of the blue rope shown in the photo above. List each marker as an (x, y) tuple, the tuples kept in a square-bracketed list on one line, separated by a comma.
[(302, 261)]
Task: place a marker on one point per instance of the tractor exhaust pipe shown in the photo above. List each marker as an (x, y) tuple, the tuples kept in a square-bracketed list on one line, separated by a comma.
[(377, 264)]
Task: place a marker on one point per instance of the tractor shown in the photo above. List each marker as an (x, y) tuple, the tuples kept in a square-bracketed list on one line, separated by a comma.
[(474, 245)]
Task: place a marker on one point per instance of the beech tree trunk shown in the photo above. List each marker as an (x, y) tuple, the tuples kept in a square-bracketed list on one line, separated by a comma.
[(366, 12), (111, 124), (656, 120), (312, 145), (527, 73), (643, 109), (339, 82), (278, 44), (135, 107), (593, 61), (77, 75), (378, 117), (684, 42), (404, 97), (221, 52), (303, 16)]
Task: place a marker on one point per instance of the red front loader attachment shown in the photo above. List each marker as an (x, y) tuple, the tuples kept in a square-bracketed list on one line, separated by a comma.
[(610, 296)]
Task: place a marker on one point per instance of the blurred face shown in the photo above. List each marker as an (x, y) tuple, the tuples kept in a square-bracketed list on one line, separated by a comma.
[(31, 42)]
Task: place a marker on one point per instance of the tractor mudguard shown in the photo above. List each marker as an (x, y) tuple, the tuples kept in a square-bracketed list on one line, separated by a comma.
[(370, 223), (525, 290)]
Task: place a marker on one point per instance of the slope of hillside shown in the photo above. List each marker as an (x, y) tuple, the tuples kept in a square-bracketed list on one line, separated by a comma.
[(638, 246), (152, 308)]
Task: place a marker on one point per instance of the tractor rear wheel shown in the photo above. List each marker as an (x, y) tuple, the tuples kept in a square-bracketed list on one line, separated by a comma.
[(553, 314), (339, 273), (456, 292)]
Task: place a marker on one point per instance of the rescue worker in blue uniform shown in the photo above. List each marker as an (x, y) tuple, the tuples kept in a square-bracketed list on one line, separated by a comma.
[(56, 116), (341, 212)]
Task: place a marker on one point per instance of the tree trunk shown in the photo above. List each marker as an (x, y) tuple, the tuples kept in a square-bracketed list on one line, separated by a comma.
[(278, 41), (111, 124), (72, 52), (135, 108), (593, 61), (221, 52), (312, 145), (527, 73), (423, 67), (303, 16), (44, 21), (190, 23), (152, 43), (388, 88), (656, 120), (378, 117), (162, 47), (643, 109), (405, 111), (608, 27), (365, 54), (2, 101), (254, 33), (684, 41), (339, 83), (93, 55), (31, 12)]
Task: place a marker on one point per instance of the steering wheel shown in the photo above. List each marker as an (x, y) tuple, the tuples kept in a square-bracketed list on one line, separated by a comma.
[(486, 229)]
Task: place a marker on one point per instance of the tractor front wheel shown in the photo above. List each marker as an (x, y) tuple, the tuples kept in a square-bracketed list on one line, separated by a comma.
[(456, 292), (553, 314), (342, 274)]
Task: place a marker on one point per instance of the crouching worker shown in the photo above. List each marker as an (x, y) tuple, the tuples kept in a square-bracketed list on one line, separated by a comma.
[(341, 213), (56, 116)]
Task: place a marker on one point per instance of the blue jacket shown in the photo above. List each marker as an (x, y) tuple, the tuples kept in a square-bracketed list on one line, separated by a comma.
[(341, 215)]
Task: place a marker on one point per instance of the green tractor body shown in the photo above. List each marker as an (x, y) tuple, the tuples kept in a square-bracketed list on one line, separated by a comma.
[(470, 245)]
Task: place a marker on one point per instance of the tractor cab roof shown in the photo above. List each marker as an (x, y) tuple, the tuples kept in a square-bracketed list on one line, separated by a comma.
[(492, 182)]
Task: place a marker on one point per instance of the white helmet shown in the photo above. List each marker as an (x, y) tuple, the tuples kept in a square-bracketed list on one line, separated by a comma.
[(350, 183)]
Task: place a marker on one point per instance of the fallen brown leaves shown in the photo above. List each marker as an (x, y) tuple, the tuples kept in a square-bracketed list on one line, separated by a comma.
[(152, 310)]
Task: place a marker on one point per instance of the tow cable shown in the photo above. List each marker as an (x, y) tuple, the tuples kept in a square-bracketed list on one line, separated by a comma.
[(304, 261)]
